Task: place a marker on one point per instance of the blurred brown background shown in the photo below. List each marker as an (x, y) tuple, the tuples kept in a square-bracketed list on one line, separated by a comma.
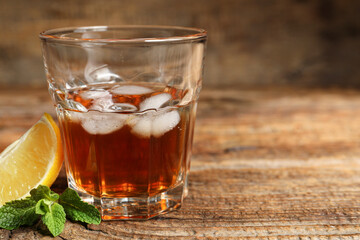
[(251, 42)]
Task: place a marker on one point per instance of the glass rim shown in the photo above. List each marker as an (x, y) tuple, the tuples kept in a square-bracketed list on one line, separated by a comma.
[(195, 34)]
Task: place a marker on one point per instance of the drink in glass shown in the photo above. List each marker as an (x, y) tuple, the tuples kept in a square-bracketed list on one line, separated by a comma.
[(126, 101)]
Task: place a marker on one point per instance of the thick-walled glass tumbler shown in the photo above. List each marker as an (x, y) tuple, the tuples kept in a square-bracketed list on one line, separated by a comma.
[(126, 100)]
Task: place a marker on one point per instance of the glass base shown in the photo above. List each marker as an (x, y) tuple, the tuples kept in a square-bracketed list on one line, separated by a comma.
[(135, 208)]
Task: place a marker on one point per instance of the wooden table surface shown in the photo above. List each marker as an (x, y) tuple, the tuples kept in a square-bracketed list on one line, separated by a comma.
[(267, 164)]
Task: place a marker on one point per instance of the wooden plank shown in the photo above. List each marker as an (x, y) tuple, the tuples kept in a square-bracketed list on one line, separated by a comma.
[(267, 164)]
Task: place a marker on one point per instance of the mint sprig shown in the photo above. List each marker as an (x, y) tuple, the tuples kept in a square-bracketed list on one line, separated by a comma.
[(17, 213), (53, 215), (77, 210), (43, 192), (52, 208)]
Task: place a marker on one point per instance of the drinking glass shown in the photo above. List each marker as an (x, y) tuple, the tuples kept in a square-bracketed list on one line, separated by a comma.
[(126, 99)]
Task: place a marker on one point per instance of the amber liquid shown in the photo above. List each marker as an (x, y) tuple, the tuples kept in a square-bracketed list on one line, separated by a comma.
[(122, 163)]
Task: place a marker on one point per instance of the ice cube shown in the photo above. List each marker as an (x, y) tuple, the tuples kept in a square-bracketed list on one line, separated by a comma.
[(94, 94), (102, 104), (95, 73), (154, 124), (68, 103), (116, 107), (141, 126), (101, 123), (131, 90), (103, 74), (101, 99), (155, 102), (164, 122)]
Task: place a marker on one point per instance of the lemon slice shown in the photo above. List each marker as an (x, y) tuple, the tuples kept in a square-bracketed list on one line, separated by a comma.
[(34, 159)]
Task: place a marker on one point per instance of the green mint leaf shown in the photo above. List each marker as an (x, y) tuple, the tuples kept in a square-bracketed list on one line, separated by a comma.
[(77, 210), (43, 206), (16, 213), (54, 219), (43, 192)]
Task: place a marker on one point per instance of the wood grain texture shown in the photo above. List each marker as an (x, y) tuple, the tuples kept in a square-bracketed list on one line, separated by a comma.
[(267, 164)]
